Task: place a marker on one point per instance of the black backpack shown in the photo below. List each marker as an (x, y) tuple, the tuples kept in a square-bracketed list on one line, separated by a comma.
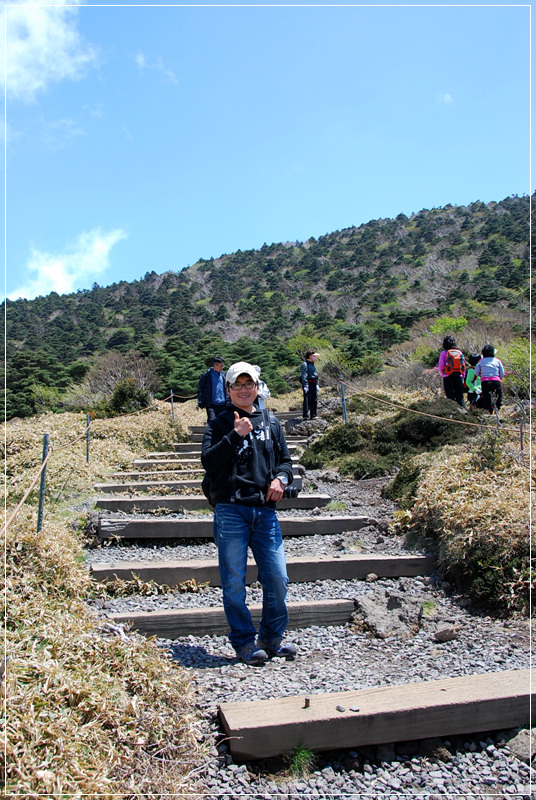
[(207, 482)]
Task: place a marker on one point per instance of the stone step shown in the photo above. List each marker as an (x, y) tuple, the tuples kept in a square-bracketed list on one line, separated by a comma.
[(195, 527), (299, 569), (175, 503), (211, 621), (447, 707), (131, 487)]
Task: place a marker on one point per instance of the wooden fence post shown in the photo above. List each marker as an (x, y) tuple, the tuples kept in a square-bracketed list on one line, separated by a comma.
[(46, 438), (172, 407), (87, 437), (344, 416)]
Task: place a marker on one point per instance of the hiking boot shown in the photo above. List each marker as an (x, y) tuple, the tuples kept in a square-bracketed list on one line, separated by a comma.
[(252, 654), (275, 648)]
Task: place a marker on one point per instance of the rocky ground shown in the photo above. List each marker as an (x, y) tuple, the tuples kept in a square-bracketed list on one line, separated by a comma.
[(441, 636)]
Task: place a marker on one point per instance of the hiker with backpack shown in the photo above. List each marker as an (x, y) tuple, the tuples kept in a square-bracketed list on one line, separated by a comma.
[(451, 366), (211, 393), (248, 465), (472, 380), (490, 370)]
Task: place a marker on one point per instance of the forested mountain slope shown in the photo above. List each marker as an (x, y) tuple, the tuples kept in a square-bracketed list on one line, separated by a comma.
[(361, 289)]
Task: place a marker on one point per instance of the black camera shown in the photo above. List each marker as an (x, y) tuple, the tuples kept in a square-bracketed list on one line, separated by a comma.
[(291, 492)]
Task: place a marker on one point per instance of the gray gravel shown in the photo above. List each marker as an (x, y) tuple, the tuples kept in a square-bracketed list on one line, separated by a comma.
[(342, 658)]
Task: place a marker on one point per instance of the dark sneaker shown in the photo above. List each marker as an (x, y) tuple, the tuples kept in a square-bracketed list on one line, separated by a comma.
[(275, 648), (252, 654)]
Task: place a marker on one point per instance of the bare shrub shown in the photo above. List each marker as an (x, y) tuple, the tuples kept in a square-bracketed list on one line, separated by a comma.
[(114, 367), (110, 370)]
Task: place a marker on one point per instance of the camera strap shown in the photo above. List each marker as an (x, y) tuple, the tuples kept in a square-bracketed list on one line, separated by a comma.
[(268, 444)]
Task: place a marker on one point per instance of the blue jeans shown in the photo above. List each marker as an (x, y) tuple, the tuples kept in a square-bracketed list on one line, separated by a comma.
[(236, 527)]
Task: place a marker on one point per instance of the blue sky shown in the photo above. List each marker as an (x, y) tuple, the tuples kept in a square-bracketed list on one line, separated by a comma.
[(142, 138)]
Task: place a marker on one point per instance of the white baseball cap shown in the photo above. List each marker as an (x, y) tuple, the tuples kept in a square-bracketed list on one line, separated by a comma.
[(242, 368)]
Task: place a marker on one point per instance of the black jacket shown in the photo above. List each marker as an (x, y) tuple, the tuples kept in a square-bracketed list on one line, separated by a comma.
[(204, 389), (255, 466)]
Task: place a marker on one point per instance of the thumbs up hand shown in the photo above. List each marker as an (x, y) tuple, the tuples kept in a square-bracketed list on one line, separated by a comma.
[(242, 425)]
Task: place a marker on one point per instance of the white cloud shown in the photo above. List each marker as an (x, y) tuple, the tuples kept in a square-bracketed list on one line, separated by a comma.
[(159, 65), (42, 46), (84, 260), (59, 133), (447, 99)]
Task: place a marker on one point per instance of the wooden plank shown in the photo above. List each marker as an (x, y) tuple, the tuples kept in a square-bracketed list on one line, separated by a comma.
[(193, 447), (143, 463), (191, 501), (299, 569), (211, 620), (161, 473), (192, 461), (195, 429), (469, 704), (141, 486), (298, 440), (196, 527), (177, 473)]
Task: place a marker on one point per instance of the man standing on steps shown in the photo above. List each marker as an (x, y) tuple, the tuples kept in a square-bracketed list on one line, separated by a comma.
[(211, 389), (248, 467), (309, 382)]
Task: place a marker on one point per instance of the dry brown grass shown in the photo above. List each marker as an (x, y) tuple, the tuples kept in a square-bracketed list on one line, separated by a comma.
[(90, 711), (478, 513)]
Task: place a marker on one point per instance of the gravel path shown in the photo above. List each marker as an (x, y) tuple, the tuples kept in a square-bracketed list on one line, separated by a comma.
[(341, 658)]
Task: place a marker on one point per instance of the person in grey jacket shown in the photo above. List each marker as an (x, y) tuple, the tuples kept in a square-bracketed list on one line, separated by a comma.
[(490, 370)]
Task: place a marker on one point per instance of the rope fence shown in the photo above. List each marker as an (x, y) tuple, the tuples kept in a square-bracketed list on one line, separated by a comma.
[(502, 428), (48, 449)]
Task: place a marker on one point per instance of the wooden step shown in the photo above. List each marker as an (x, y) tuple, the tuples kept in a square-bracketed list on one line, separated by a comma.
[(193, 527), (469, 704), (171, 474), (177, 473), (297, 440), (170, 463), (131, 487), (190, 460), (211, 620), (284, 415), (146, 486), (193, 450), (176, 503), (299, 569)]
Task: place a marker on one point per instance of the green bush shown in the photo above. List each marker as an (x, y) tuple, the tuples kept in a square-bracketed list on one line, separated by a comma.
[(484, 572), (128, 396), (445, 325), (516, 357), (411, 432), (403, 486), (366, 465), (370, 364), (375, 448)]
